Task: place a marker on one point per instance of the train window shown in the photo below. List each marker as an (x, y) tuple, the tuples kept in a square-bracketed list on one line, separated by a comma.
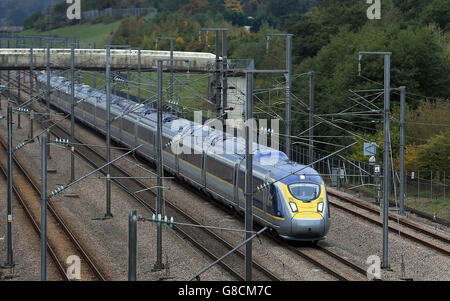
[(226, 173), (128, 126), (145, 134), (257, 196), (272, 200), (194, 159), (166, 141), (305, 191), (242, 180), (100, 113), (87, 107), (219, 169), (169, 119)]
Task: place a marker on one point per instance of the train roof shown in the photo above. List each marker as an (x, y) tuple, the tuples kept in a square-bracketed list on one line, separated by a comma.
[(266, 160)]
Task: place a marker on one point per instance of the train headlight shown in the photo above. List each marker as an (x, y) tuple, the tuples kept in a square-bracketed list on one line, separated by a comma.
[(320, 207), (293, 207)]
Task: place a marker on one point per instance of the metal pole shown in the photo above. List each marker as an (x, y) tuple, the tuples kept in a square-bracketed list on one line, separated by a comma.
[(218, 88), (31, 72), (431, 187), (150, 89), (249, 177), (402, 149), (18, 99), (209, 95), (9, 74), (171, 39), (108, 133), (177, 108), (228, 253), (48, 95), (288, 93), (132, 245), (444, 183), (95, 72), (139, 75), (224, 74), (159, 202), (1, 73), (31, 124), (44, 209), (418, 184), (78, 71), (387, 89), (171, 70), (10, 260), (311, 116), (128, 85), (72, 112)]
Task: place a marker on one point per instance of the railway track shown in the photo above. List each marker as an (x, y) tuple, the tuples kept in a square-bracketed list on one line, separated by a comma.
[(323, 258), (62, 242), (334, 264), (326, 260), (408, 229), (205, 240), (331, 263)]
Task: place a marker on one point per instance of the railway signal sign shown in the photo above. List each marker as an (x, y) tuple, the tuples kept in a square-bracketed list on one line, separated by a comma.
[(377, 169), (370, 149)]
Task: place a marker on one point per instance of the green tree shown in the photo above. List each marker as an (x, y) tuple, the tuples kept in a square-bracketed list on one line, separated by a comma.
[(316, 28), (437, 12), (435, 155)]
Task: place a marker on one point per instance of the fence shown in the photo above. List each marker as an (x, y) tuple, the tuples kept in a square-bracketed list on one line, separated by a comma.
[(428, 184), (10, 31), (37, 42), (132, 12), (425, 191)]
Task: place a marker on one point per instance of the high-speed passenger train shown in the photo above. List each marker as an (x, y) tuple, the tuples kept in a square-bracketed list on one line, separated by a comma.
[(296, 207)]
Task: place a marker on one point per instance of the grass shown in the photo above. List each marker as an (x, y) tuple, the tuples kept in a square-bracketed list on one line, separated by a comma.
[(85, 32), (192, 91), (440, 207)]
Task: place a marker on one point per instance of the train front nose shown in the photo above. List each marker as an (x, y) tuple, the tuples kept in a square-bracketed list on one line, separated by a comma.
[(302, 228)]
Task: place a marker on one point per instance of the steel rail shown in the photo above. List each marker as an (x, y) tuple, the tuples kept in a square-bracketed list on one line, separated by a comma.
[(64, 134), (61, 222), (116, 171), (293, 249), (36, 227), (392, 229), (392, 217)]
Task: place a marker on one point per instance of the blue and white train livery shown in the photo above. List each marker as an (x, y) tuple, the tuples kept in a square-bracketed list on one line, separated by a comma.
[(296, 207)]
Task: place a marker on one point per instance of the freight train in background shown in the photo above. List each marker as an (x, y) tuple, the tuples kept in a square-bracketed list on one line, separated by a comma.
[(296, 207)]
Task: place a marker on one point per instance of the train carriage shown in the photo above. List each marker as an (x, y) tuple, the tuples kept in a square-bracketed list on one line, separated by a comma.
[(296, 207)]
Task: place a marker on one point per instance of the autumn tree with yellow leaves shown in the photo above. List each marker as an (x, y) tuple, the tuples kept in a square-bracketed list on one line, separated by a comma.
[(233, 6)]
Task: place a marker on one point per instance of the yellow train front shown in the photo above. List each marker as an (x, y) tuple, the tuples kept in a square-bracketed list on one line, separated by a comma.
[(306, 213)]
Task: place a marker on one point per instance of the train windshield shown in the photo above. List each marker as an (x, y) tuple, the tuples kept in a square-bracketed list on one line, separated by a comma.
[(306, 192)]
